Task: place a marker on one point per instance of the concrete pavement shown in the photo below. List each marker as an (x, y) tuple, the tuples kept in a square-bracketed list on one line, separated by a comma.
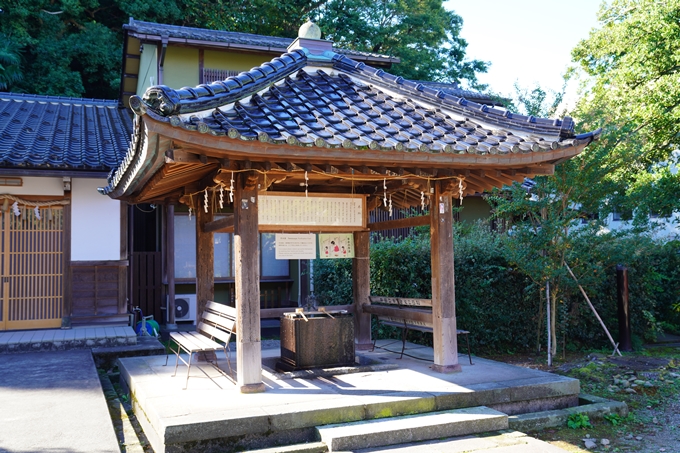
[(53, 402)]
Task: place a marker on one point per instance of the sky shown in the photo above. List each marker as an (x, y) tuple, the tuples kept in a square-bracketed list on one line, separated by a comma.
[(526, 41)]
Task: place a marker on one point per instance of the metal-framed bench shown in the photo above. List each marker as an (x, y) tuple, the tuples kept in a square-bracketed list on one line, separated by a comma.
[(406, 314), (218, 323)]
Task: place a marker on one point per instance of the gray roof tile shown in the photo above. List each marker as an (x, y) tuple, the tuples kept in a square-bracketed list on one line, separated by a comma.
[(325, 106), (344, 103), (62, 133), (220, 36)]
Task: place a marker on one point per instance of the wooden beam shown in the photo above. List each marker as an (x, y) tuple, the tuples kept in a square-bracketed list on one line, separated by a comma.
[(396, 312), (361, 288), (247, 283), (276, 313), (266, 166), (219, 225), (399, 223), (181, 156), (170, 260), (443, 290), (537, 170)]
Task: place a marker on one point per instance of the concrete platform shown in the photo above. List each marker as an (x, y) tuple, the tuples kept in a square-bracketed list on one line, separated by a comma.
[(214, 416), (66, 339)]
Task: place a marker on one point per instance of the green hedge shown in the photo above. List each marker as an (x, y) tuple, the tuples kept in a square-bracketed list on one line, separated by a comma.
[(501, 306)]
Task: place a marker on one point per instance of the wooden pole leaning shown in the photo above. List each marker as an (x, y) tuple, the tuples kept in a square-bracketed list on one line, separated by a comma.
[(443, 288), (247, 284)]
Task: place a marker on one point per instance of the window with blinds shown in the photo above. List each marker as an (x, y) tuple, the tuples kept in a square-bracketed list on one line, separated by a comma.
[(214, 75)]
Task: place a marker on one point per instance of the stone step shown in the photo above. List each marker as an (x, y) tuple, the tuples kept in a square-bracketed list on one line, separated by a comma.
[(312, 447), (411, 428)]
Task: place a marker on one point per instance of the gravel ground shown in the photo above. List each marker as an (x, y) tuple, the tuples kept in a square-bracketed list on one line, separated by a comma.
[(654, 402)]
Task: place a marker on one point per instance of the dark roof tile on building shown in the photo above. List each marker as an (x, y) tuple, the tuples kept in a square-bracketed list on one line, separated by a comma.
[(320, 109), (322, 102), (60, 133), (273, 43)]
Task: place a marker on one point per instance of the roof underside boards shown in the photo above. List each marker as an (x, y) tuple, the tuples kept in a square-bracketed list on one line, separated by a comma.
[(55, 133), (331, 125)]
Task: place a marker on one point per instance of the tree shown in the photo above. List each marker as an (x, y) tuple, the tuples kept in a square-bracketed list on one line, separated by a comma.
[(632, 91), (72, 48), (537, 101), (547, 220), (424, 35), (10, 63)]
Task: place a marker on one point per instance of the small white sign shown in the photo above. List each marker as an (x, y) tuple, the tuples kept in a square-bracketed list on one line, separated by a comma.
[(295, 246)]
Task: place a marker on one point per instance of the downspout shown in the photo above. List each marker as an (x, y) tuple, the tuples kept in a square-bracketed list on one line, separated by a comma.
[(161, 59)]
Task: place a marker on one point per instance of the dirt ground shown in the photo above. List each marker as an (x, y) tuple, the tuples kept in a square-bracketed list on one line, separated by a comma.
[(648, 381)]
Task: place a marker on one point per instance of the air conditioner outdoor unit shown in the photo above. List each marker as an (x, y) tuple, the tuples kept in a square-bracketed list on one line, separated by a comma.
[(185, 308)]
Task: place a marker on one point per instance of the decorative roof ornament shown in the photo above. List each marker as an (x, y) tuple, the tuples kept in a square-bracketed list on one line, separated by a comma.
[(309, 30), (310, 42)]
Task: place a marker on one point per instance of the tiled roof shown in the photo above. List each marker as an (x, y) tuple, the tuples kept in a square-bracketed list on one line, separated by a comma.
[(320, 109), (220, 36), (455, 90), (48, 132), (326, 101)]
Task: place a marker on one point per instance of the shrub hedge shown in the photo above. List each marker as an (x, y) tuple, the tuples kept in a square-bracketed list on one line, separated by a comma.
[(502, 307)]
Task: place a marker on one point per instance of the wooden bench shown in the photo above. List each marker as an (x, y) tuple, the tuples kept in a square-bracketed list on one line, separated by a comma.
[(407, 314), (218, 323)]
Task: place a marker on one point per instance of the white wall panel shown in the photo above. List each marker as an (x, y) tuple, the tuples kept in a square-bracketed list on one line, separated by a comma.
[(95, 222)]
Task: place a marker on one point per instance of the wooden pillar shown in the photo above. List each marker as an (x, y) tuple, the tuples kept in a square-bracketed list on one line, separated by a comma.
[(361, 288), (247, 263), (170, 262), (124, 257), (443, 288), (66, 262), (205, 257)]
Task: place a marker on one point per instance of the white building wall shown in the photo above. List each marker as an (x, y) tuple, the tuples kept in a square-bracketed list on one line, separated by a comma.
[(95, 222), (36, 186), (665, 228)]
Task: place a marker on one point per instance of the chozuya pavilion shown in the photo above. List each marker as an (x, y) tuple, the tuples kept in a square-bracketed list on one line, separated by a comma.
[(317, 125)]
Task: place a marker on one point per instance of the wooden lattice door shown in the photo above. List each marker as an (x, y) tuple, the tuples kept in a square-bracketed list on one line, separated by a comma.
[(32, 268)]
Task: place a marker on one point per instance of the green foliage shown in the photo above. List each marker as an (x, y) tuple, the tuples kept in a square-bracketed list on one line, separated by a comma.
[(401, 269), (421, 33), (333, 281), (73, 47), (614, 419), (10, 63), (537, 101), (632, 91), (500, 303), (579, 421)]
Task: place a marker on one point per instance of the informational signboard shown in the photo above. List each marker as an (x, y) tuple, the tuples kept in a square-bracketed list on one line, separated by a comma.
[(295, 246), (314, 211), (336, 245)]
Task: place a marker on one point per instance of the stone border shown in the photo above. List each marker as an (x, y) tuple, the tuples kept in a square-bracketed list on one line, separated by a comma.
[(593, 406)]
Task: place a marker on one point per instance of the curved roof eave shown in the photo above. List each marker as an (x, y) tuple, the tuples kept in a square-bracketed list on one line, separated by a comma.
[(344, 104)]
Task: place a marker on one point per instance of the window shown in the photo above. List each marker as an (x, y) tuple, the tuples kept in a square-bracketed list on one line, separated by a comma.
[(622, 215), (215, 75), (185, 252), (271, 267)]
